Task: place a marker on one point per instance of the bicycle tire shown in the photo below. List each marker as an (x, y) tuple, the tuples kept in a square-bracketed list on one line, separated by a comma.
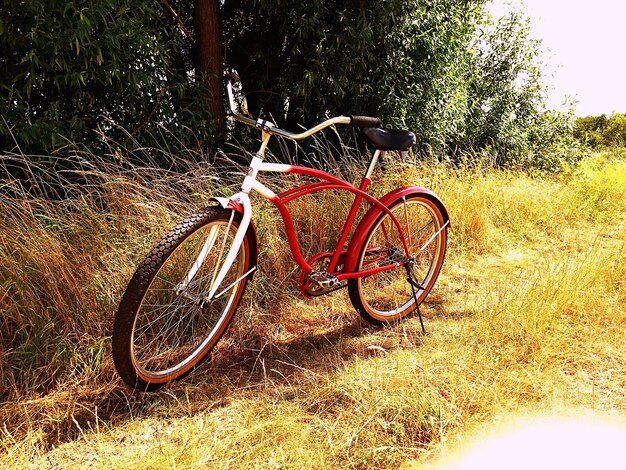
[(388, 296), (162, 331)]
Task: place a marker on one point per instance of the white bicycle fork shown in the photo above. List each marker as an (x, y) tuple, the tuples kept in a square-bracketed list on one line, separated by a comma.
[(244, 200), (250, 183)]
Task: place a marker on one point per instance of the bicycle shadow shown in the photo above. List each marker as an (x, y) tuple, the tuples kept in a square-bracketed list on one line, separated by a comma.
[(259, 368)]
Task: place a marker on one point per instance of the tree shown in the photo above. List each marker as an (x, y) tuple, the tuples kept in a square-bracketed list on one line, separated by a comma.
[(589, 129), (392, 58), (506, 93), (105, 71), (442, 68), (208, 58), (615, 131), (598, 131), (93, 72), (63, 63)]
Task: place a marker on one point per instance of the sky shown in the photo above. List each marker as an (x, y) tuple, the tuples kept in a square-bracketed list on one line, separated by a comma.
[(585, 48)]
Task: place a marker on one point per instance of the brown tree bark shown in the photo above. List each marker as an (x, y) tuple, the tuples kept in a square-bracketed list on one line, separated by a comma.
[(208, 56)]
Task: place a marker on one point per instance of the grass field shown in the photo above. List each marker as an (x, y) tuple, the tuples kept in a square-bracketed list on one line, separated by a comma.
[(527, 320)]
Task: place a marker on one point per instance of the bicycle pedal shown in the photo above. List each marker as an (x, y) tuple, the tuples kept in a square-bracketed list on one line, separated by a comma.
[(323, 279)]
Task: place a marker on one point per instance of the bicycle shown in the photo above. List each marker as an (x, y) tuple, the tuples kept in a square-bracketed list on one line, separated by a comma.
[(183, 296)]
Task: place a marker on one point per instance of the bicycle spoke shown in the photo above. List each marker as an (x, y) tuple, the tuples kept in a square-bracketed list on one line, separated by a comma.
[(422, 228), (167, 313), (166, 328), (175, 318)]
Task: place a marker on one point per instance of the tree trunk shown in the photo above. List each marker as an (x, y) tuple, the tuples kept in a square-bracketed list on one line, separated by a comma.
[(208, 56)]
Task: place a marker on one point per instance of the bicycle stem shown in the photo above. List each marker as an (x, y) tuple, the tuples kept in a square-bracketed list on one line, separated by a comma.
[(267, 127)]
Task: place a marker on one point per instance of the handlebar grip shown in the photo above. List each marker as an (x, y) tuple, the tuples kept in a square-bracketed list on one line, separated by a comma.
[(236, 96), (365, 121)]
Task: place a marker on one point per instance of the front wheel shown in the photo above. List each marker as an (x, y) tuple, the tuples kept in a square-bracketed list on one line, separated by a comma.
[(166, 325), (389, 295)]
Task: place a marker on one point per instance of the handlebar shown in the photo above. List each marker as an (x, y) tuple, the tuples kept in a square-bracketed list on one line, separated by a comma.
[(232, 79)]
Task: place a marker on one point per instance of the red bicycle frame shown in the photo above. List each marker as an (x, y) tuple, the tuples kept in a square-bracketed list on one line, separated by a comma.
[(241, 202), (330, 182)]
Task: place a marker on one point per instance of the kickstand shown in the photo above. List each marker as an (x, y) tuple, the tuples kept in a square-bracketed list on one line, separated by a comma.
[(413, 285), (419, 314)]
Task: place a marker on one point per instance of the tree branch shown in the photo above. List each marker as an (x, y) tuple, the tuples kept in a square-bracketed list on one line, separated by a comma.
[(180, 22)]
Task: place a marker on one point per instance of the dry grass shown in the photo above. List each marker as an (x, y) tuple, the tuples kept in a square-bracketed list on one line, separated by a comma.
[(528, 317)]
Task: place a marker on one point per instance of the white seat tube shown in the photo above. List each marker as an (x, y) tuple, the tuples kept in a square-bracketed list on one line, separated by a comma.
[(370, 169), (244, 200)]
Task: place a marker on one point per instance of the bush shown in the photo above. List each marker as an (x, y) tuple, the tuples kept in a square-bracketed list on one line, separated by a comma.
[(598, 131), (76, 75), (462, 81)]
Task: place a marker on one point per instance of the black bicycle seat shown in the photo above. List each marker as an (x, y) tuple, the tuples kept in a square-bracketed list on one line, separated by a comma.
[(389, 139)]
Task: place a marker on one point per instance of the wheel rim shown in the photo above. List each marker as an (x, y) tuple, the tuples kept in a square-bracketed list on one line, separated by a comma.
[(173, 331), (388, 295)]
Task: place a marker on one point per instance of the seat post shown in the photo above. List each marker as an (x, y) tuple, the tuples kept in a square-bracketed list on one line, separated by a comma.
[(370, 169)]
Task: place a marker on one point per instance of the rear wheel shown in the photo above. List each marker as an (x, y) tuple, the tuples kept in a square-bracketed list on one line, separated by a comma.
[(165, 325), (388, 295)]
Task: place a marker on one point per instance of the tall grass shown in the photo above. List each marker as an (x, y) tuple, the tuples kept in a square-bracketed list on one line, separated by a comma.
[(528, 313), (69, 240)]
